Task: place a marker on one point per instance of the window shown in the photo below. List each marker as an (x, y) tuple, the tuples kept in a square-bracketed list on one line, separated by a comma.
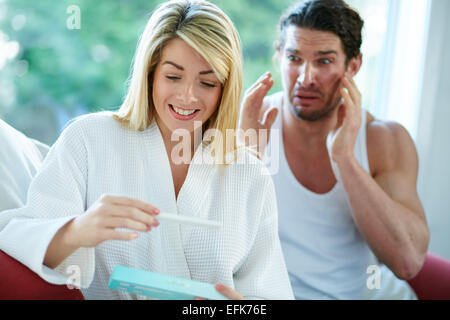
[(393, 58), (404, 53), (49, 73), (375, 16)]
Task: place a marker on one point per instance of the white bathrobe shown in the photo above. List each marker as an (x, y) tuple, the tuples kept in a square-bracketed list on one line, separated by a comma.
[(96, 156)]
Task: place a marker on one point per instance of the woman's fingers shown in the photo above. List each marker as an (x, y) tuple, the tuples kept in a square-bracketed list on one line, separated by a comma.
[(112, 234), (138, 215), (116, 222), (111, 213), (131, 213), (225, 291), (228, 292), (130, 202), (133, 209)]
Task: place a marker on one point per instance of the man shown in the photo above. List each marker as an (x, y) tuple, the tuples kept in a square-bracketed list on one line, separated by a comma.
[(346, 184)]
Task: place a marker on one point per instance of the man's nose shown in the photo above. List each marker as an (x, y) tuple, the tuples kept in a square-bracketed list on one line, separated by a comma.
[(306, 75)]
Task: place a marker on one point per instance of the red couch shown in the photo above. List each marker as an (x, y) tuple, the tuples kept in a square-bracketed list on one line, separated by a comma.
[(17, 282), (433, 281), (20, 283)]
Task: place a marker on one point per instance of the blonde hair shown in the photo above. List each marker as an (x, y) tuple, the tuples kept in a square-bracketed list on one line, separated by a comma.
[(208, 30)]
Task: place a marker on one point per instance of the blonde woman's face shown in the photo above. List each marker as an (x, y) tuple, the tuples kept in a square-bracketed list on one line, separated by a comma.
[(185, 88)]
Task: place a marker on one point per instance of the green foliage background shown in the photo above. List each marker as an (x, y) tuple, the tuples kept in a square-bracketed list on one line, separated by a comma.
[(64, 80)]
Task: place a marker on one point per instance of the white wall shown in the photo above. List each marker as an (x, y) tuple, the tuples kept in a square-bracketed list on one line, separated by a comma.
[(433, 134)]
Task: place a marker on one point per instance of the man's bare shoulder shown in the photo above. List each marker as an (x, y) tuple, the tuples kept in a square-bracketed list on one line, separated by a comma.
[(388, 145)]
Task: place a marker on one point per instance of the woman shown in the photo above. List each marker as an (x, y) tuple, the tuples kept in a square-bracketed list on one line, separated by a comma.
[(95, 202)]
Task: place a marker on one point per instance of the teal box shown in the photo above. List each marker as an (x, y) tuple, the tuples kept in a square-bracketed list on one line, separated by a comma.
[(160, 286)]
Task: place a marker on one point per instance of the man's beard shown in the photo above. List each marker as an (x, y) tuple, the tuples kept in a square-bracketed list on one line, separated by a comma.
[(329, 106), (325, 112)]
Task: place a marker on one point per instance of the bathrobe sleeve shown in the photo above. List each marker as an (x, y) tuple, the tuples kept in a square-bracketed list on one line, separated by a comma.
[(263, 275), (56, 195)]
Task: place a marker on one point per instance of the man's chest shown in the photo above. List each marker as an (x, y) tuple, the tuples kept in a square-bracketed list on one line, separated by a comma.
[(312, 172)]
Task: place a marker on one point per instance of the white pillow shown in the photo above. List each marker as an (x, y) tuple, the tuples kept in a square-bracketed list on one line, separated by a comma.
[(20, 158)]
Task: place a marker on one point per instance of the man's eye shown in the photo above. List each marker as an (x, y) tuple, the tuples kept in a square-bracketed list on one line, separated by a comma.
[(325, 61), (293, 58)]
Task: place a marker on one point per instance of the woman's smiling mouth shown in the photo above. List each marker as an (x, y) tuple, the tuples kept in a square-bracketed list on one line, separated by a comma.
[(183, 114)]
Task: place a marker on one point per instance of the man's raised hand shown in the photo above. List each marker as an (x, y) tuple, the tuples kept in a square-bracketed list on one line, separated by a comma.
[(255, 113)]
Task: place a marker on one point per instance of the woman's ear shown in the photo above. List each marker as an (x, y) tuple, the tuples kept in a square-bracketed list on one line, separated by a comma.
[(354, 65)]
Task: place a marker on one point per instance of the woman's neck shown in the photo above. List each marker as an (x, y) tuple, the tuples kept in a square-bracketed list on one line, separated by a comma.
[(180, 145)]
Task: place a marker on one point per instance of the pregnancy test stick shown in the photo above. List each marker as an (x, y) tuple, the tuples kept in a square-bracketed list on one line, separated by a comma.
[(176, 218)]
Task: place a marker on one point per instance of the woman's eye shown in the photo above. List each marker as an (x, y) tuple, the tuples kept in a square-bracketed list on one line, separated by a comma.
[(173, 78), (208, 84)]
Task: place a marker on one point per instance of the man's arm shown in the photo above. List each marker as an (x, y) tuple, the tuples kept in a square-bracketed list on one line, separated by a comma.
[(385, 206)]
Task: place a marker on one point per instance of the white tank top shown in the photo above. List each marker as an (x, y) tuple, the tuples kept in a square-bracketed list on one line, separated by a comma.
[(317, 231)]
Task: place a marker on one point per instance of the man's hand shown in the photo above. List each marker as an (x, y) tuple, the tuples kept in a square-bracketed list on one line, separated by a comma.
[(341, 141), (253, 114)]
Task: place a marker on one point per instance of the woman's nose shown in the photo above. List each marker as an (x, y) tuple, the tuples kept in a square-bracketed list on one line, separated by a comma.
[(188, 94)]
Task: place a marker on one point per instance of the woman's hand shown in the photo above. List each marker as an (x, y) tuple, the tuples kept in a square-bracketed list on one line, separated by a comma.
[(227, 292), (100, 221)]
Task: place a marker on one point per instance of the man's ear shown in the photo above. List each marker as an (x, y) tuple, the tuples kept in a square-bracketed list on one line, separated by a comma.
[(277, 55), (354, 65)]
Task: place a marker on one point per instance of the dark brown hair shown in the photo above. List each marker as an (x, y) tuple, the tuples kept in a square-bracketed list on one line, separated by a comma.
[(334, 16)]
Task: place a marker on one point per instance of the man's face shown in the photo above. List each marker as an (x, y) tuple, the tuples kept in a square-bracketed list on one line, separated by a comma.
[(312, 65)]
